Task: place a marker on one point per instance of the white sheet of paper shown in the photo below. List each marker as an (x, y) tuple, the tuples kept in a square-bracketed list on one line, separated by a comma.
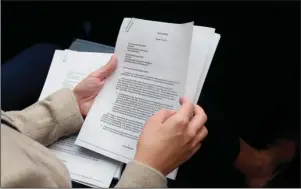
[(55, 74), (205, 70), (201, 40), (200, 45), (209, 56), (118, 171), (143, 62), (94, 169), (84, 165)]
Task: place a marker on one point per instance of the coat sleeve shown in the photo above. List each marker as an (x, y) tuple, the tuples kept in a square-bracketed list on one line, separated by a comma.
[(139, 175), (56, 116)]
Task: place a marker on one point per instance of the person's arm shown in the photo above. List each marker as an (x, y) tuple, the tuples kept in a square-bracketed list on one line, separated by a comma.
[(25, 162), (47, 120)]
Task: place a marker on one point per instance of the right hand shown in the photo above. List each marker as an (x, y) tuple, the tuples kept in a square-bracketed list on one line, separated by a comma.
[(170, 138)]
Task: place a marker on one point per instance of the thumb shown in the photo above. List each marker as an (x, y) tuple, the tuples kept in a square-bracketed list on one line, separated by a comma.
[(107, 69)]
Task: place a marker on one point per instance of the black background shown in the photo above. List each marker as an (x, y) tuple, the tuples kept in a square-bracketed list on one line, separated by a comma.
[(254, 76)]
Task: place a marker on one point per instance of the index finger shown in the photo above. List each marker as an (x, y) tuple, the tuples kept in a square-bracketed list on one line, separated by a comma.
[(201, 113), (198, 119), (187, 108)]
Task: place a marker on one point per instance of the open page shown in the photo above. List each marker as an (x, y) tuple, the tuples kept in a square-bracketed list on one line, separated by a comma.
[(202, 39), (152, 65), (67, 69), (200, 46), (193, 88), (209, 58), (55, 74)]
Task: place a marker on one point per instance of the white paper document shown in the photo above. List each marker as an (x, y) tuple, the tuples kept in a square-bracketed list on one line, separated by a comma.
[(87, 167), (157, 63)]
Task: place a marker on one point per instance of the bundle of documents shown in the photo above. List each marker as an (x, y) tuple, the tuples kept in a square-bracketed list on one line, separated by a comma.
[(157, 63)]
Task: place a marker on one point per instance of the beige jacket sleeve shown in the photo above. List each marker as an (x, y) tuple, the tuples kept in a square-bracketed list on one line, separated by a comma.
[(45, 121), (137, 174), (26, 162)]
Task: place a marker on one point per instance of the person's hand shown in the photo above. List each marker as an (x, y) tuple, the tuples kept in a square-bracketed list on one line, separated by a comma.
[(170, 138), (86, 91)]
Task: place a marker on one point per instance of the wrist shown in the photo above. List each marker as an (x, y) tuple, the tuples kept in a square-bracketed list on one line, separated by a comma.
[(78, 101), (151, 164), (151, 167)]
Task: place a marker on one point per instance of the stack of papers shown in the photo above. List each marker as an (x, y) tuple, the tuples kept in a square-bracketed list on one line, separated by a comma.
[(92, 166), (85, 167)]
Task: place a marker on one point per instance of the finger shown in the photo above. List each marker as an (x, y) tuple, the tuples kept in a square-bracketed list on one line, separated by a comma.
[(187, 108), (184, 114), (198, 110), (195, 149), (198, 120), (163, 115), (107, 69), (200, 136)]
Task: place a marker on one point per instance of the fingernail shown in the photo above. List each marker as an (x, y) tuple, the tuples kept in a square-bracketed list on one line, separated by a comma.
[(110, 60), (113, 57), (181, 100)]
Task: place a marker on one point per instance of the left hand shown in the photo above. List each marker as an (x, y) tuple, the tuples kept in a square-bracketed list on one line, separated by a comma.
[(86, 91)]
